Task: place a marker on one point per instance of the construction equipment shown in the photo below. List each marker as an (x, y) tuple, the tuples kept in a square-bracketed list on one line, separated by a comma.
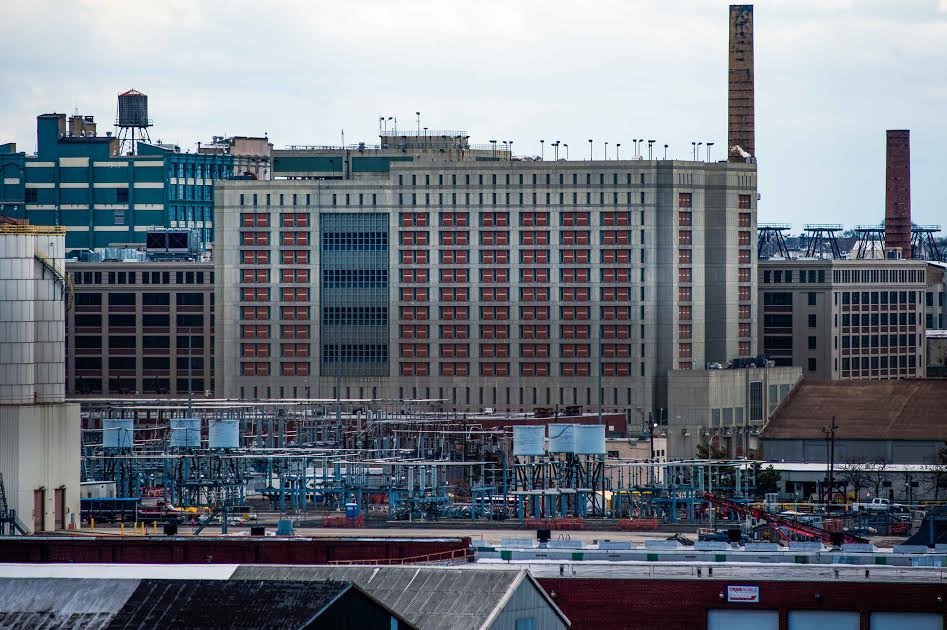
[(10, 525), (776, 521)]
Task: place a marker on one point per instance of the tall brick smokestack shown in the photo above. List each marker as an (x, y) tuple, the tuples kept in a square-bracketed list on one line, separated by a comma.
[(898, 191), (741, 135)]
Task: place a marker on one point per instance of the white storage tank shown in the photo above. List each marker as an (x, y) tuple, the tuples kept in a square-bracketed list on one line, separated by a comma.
[(561, 438), (118, 433), (17, 328), (589, 439), (529, 441), (223, 433), (49, 313), (185, 433)]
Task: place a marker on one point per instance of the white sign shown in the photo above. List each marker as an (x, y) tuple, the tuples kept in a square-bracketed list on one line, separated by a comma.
[(743, 594)]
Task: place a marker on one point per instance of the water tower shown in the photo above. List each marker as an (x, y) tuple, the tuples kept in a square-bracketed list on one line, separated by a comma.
[(131, 121)]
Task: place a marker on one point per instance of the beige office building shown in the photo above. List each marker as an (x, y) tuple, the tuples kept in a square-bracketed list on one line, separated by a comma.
[(844, 319)]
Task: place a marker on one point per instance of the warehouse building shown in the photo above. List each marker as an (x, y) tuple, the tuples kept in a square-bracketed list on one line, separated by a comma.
[(897, 422)]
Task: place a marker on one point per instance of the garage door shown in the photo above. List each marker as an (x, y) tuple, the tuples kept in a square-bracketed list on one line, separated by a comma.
[(914, 621), (743, 620), (823, 619)]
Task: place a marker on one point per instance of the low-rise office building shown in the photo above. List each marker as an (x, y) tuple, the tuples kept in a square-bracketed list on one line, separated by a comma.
[(844, 319), (723, 410)]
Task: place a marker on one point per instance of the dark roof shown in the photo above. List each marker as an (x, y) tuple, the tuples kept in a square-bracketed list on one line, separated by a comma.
[(909, 409), (61, 602), (428, 597), (222, 603)]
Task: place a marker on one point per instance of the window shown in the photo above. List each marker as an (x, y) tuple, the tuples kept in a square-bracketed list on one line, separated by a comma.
[(812, 299), (812, 343), (756, 400), (812, 320), (685, 200), (812, 365)]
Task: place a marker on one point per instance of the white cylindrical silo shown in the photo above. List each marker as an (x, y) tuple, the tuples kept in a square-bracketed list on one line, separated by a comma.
[(561, 438), (49, 313), (223, 433), (17, 329), (185, 433), (529, 441), (589, 439)]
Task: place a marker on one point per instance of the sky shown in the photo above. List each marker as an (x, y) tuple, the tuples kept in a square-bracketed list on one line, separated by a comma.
[(831, 77)]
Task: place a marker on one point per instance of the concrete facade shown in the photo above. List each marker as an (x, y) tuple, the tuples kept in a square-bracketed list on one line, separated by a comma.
[(492, 282), (136, 325), (39, 433), (726, 408), (814, 314)]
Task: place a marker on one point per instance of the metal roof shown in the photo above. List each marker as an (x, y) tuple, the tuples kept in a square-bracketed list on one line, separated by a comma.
[(429, 597), (906, 409), (61, 602)]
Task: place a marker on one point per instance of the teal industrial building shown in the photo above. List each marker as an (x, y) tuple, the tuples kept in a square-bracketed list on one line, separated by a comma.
[(81, 180)]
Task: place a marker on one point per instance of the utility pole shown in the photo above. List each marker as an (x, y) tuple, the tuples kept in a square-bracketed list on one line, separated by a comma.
[(830, 437)]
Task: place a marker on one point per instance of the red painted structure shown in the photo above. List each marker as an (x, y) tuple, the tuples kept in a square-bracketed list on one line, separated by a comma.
[(219, 550), (683, 604), (898, 191)]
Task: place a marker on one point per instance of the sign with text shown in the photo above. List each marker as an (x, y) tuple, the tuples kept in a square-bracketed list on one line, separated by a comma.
[(743, 594)]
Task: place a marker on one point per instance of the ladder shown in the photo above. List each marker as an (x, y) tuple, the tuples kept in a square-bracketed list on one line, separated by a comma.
[(59, 276), (10, 525)]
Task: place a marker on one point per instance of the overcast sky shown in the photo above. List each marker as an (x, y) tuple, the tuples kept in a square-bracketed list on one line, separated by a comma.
[(831, 76)]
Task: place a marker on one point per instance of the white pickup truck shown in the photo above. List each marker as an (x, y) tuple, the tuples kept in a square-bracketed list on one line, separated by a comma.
[(875, 505)]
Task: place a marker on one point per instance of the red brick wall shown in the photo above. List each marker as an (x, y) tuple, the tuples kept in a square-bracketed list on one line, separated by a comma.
[(680, 604)]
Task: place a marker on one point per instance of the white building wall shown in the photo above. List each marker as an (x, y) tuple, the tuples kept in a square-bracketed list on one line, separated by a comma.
[(39, 449)]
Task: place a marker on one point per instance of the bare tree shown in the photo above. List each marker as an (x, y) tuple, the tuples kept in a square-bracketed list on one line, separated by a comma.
[(855, 473), (877, 474)]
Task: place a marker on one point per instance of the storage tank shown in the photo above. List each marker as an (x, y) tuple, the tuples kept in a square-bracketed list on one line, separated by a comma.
[(561, 438), (132, 109), (223, 433), (49, 318), (185, 433), (118, 433), (17, 329), (589, 439), (529, 441)]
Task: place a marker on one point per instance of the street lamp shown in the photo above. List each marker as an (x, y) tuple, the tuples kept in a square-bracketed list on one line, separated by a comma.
[(697, 154), (694, 150), (650, 144), (709, 144), (618, 150), (567, 151), (665, 152), (590, 149), (606, 151), (542, 149)]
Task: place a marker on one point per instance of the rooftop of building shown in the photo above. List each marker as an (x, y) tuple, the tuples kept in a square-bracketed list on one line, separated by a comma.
[(907, 409)]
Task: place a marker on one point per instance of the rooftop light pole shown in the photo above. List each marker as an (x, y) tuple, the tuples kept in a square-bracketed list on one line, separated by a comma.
[(419, 122), (694, 150), (606, 151), (665, 152), (635, 143), (590, 149), (709, 144), (618, 150), (542, 149), (650, 145), (640, 146), (567, 151)]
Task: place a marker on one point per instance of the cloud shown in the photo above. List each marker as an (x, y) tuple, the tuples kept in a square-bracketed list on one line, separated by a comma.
[(830, 77)]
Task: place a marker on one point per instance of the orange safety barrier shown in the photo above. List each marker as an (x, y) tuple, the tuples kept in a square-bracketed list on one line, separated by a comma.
[(637, 524)]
